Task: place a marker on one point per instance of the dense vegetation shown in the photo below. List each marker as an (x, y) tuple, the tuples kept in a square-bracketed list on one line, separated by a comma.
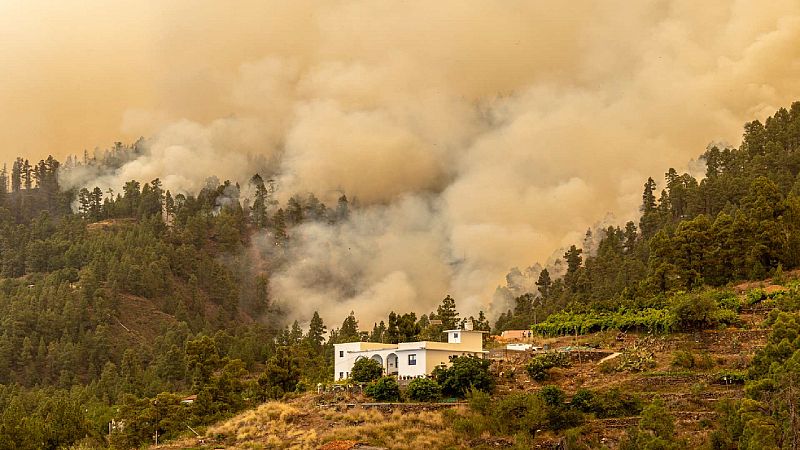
[(138, 299), (740, 222)]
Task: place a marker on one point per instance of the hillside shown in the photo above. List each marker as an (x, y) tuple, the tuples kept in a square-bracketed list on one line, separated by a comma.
[(111, 315), (696, 374)]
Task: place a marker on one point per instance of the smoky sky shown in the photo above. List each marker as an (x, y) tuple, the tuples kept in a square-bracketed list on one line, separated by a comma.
[(477, 136)]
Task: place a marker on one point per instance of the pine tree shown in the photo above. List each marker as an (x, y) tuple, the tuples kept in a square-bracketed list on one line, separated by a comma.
[(349, 330), (4, 181), (294, 210), (169, 207), (259, 210), (316, 331), (447, 313), (574, 260), (378, 332), (543, 283), (314, 208), (281, 374), (407, 327), (279, 227), (481, 323), (295, 333), (16, 175), (96, 203), (392, 330), (342, 208), (648, 197), (27, 176), (630, 237), (84, 203)]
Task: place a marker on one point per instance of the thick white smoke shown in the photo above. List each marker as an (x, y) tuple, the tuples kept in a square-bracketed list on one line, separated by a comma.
[(480, 136)]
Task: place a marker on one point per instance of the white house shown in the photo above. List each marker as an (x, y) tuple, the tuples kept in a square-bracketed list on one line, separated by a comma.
[(408, 359)]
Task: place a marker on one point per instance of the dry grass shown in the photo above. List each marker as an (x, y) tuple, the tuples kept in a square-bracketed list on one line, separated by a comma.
[(271, 425), (398, 430), (300, 425)]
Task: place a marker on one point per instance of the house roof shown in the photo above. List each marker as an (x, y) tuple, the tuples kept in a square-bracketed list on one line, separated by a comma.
[(466, 331), (419, 345)]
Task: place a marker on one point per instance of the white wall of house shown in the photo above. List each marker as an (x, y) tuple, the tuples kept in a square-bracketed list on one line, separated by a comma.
[(345, 355), (405, 358), (344, 358), (413, 359)]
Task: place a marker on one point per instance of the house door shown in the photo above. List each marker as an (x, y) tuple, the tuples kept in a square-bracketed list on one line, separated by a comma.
[(391, 364)]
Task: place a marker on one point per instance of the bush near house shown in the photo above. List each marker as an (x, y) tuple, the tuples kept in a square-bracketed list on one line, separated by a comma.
[(424, 390), (464, 373), (384, 389), (366, 370)]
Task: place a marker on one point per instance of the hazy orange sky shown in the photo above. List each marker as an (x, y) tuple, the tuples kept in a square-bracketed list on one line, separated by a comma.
[(489, 133), (75, 73), (81, 74)]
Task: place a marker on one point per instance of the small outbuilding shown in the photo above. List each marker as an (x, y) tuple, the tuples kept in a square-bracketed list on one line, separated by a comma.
[(511, 335)]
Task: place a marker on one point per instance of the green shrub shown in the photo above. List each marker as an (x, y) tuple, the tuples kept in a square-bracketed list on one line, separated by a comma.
[(656, 430), (729, 317), (656, 419), (636, 360), (384, 389), (729, 425), (615, 403), (583, 400), (580, 439), (778, 277), (728, 300), (552, 395), (684, 359), (519, 412), (704, 361), (559, 418), (539, 365), (366, 370), (695, 311), (424, 390), (479, 401), (472, 425), (465, 372), (755, 296)]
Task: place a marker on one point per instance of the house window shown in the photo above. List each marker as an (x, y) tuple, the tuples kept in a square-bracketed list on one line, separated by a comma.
[(455, 335), (341, 353), (341, 375), (412, 360)]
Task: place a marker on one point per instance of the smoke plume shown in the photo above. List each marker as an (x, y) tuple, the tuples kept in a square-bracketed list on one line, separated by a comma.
[(478, 136)]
